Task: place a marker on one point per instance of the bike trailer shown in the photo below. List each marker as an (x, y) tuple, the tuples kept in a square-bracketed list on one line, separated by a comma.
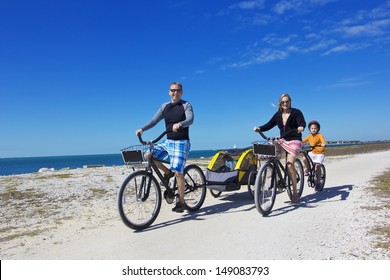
[(230, 169)]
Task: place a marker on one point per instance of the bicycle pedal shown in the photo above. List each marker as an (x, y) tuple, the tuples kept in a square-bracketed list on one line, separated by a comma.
[(168, 198)]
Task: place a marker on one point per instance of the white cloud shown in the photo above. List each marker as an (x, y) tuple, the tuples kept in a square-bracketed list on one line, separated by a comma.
[(263, 56), (327, 35), (275, 40), (338, 49), (248, 5), (317, 46), (374, 28), (346, 48), (284, 6), (348, 83)]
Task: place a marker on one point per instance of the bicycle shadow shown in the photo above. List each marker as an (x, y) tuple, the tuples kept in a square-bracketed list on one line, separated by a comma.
[(328, 194), (226, 203)]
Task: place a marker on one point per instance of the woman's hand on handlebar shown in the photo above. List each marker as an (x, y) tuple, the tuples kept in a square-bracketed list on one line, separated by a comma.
[(256, 129), (300, 129)]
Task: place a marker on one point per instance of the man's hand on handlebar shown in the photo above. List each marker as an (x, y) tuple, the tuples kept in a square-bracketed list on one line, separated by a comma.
[(139, 132), (176, 127)]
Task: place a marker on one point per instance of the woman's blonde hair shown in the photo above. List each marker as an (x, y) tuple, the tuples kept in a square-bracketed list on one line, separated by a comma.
[(280, 101)]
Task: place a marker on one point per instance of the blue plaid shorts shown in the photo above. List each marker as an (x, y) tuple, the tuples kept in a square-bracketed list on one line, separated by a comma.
[(173, 151)]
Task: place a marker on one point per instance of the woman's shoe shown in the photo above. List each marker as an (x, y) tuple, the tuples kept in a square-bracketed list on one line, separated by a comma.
[(318, 187), (295, 199)]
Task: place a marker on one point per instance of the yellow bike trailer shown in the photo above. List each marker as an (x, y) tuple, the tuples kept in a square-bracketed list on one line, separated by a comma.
[(230, 169)]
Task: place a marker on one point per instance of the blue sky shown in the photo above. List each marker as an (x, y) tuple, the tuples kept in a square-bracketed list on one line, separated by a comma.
[(79, 77)]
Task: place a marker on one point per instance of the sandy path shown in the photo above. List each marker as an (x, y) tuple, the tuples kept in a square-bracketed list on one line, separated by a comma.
[(327, 225)]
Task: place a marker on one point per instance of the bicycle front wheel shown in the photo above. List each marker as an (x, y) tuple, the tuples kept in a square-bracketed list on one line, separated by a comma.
[(322, 178), (195, 187), (139, 200), (265, 189), (300, 179)]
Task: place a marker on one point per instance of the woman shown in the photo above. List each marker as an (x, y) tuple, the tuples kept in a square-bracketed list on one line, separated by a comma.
[(291, 123)]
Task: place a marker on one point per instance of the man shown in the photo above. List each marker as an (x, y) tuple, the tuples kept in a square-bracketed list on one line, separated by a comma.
[(178, 116)]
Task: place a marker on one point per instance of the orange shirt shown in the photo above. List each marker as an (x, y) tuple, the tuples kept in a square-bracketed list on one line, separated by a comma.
[(316, 140)]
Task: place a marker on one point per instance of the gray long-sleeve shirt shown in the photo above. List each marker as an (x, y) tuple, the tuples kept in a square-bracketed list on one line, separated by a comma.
[(178, 112)]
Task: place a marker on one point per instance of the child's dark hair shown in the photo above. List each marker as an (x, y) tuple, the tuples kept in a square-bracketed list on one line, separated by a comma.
[(314, 122)]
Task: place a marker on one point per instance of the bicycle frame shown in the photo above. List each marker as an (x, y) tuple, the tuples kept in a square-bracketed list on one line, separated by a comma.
[(139, 197), (313, 169), (153, 167), (286, 181), (312, 165)]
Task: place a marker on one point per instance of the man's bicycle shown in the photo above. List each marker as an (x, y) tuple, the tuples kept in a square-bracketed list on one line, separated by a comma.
[(273, 175), (316, 170), (139, 197)]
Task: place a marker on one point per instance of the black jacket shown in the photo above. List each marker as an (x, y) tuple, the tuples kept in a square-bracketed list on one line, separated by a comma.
[(295, 120)]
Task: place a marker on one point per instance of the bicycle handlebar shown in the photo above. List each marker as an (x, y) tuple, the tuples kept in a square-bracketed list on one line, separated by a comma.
[(152, 141), (305, 146), (275, 138)]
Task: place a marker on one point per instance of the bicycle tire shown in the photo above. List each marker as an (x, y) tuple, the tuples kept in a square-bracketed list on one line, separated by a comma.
[(195, 187), (323, 177), (215, 193), (300, 179), (311, 180), (251, 183), (138, 208), (265, 189)]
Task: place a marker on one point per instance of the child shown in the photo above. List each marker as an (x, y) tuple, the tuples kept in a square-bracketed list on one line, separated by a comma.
[(229, 163), (317, 142)]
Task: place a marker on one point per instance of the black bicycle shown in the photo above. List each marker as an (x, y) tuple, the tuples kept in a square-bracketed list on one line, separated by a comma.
[(273, 176), (316, 170), (139, 197)]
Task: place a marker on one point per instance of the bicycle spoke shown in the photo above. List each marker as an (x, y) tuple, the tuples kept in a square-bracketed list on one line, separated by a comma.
[(139, 200)]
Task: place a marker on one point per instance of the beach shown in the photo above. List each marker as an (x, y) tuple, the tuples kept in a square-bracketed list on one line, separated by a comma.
[(72, 215)]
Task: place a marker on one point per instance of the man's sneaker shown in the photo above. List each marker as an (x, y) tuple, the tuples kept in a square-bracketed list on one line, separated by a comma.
[(167, 177), (179, 208)]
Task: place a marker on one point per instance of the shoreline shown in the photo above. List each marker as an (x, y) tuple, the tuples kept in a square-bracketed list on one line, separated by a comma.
[(330, 152)]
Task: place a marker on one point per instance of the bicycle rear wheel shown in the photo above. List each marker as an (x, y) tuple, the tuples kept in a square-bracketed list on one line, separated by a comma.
[(139, 200), (195, 187), (300, 180), (265, 189)]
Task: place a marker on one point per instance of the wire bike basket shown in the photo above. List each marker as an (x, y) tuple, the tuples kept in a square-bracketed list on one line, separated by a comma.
[(264, 149), (133, 156)]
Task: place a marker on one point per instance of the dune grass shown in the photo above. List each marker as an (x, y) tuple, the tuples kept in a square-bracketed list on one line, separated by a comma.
[(381, 189)]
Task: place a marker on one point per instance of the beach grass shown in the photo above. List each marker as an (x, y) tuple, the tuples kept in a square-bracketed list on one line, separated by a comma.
[(381, 189), (356, 149)]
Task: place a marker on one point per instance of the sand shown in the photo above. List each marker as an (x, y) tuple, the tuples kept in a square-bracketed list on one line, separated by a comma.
[(72, 215)]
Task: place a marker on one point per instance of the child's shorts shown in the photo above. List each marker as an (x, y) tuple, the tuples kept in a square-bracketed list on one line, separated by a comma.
[(317, 158)]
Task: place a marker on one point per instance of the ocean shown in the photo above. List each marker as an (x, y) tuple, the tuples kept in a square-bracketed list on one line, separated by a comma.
[(13, 166)]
